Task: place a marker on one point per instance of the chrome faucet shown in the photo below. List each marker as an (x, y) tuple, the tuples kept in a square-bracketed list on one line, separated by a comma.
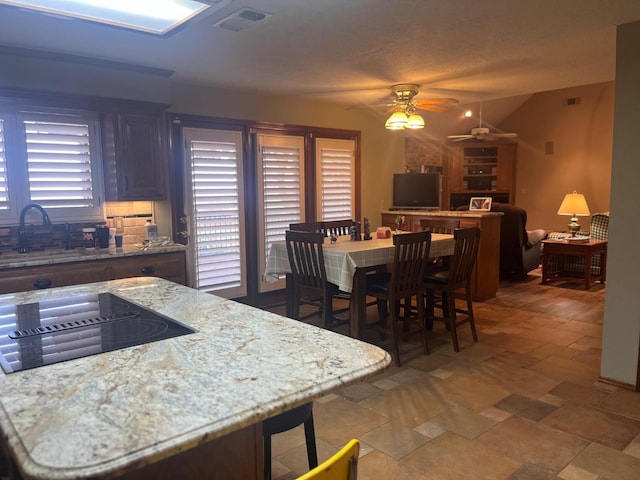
[(22, 231)]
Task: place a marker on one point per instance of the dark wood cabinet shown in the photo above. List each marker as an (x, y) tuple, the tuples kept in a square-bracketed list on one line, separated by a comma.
[(134, 156), (170, 266), (479, 169)]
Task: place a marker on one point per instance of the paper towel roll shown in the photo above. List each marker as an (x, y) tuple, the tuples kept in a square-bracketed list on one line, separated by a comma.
[(112, 238)]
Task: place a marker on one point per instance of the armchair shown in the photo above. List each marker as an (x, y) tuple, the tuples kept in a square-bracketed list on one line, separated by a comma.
[(520, 249)]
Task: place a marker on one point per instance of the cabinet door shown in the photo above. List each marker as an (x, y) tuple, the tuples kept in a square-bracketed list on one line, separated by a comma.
[(507, 169), (133, 154)]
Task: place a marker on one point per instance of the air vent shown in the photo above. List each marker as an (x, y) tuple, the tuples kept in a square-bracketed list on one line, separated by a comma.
[(241, 19)]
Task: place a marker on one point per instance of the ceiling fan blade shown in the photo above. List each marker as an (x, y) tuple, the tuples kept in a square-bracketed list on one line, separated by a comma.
[(434, 101), (460, 136), (505, 135), (433, 108)]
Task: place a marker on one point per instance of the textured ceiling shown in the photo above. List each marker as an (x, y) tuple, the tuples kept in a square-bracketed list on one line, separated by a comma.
[(352, 51)]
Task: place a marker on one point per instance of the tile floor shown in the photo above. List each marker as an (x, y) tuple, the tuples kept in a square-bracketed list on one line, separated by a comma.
[(522, 403)]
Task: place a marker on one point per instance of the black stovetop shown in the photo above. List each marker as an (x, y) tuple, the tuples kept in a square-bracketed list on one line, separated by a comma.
[(56, 330)]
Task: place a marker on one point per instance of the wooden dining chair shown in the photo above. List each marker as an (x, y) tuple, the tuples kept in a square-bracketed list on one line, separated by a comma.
[(307, 227), (337, 227), (402, 283), (341, 466), (440, 225), (448, 280), (309, 278)]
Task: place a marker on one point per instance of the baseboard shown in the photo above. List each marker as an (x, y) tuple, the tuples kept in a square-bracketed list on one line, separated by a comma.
[(619, 384)]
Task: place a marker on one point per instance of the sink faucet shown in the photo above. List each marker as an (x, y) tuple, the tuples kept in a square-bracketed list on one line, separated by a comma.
[(22, 232)]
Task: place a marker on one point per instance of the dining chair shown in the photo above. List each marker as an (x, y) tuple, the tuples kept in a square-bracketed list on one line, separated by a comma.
[(337, 227), (309, 278), (343, 465), (307, 227), (450, 279), (286, 421), (402, 283), (439, 225)]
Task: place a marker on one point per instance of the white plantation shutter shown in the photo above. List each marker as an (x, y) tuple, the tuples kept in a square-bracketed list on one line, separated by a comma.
[(335, 179), (54, 160), (217, 202), (59, 164), (280, 193), (4, 181)]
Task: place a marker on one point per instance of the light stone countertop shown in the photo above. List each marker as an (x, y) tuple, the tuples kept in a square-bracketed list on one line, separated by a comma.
[(106, 414), (52, 257)]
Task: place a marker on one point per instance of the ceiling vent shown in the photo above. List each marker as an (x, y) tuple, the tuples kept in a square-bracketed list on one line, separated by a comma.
[(241, 19)]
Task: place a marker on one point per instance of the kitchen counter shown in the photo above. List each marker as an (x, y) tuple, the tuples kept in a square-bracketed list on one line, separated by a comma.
[(52, 257), (113, 413), (444, 213)]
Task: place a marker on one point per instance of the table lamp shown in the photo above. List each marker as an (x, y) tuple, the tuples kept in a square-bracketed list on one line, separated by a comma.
[(574, 204)]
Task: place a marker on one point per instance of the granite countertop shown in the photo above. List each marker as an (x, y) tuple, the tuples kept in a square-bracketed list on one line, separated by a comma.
[(445, 213), (106, 414), (51, 257)]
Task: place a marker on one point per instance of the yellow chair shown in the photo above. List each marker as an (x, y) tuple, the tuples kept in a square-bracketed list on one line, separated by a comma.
[(342, 466)]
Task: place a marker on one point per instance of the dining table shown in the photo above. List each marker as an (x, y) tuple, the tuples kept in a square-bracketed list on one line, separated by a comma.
[(347, 263)]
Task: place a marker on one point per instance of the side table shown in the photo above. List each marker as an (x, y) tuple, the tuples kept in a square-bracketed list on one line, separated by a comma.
[(561, 248)]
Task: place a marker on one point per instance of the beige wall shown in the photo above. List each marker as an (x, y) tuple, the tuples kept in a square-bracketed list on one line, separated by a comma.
[(581, 160), (621, 336)]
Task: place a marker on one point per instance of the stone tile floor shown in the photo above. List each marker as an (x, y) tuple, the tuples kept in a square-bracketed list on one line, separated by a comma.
[(522, 403)]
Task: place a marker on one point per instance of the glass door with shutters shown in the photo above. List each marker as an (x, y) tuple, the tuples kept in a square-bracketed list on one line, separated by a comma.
[(214, 204), (280, 194), (335, 178)]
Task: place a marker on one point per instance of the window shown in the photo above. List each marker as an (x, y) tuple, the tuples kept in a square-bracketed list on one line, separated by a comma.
[(280, 193), (335, 179), (215, 208), (52, 160)]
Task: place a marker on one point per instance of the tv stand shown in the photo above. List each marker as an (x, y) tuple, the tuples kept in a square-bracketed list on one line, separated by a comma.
[(485, 277)]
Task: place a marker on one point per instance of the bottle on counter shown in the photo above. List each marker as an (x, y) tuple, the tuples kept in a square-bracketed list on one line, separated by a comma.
[(150, 230)]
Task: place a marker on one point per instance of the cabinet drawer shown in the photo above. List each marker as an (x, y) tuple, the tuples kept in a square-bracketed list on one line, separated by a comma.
[(170, 266), (50, 276)]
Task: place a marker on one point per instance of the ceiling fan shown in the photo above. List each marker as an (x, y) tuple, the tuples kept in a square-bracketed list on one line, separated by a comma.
[(404, 106), (481, 133), (403, 99)]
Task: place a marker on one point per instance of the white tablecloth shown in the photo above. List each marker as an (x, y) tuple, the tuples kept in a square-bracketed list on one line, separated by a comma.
[(342, 258)]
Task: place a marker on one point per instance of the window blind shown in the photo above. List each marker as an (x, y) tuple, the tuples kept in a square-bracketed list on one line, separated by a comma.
[(59, 164), (281, 191), (217, 199), (335, 178)]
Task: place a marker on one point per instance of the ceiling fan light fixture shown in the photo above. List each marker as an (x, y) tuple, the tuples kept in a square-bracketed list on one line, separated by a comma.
[(397, 121), (415, 121)]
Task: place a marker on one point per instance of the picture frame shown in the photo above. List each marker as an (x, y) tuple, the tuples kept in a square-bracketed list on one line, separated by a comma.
[(480, 204)]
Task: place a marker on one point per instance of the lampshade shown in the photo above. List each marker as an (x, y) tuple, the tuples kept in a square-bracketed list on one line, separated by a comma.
[(574, 204), (397, 121), (415, 121)]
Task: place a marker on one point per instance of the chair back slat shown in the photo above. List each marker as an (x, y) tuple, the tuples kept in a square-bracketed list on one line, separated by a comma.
[(306, 259), (410, 261), (440, 225), (464, 256)]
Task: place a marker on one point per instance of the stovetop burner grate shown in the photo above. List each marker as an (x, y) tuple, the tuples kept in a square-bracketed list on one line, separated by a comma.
[(64, 326)]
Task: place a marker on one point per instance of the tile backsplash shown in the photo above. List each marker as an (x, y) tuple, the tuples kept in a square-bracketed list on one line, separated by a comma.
[(132, 217)]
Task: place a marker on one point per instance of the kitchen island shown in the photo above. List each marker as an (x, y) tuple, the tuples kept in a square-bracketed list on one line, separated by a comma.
[(186, 407)]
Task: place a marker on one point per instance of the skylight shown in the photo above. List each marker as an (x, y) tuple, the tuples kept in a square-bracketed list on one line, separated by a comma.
[(152, 16)]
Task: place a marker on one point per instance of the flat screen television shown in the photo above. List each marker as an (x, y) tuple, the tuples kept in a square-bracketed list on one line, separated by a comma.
[(416, 191)]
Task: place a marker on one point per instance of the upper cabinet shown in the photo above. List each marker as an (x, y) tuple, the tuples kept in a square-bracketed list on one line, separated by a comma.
[(134, 156), (479, 169)]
